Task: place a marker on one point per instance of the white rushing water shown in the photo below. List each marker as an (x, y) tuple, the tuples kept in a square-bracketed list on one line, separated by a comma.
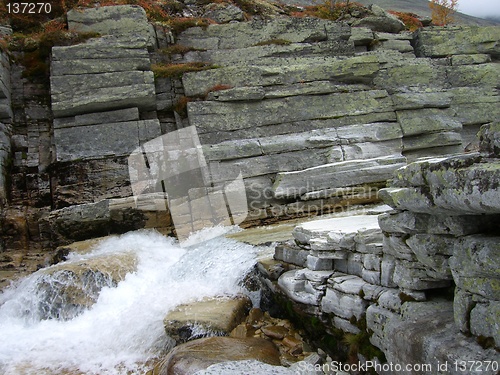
[(124, 328)]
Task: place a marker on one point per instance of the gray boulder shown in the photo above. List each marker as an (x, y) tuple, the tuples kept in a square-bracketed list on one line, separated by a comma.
[(223, 13), (489, 138), (475, 265), (209, 317), (108, 20), (197, 355), (380, 21), (457, 40)]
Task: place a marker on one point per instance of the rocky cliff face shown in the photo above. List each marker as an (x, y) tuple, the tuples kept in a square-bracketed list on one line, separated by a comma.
[(314, 116), (387, 278), (304, 108)]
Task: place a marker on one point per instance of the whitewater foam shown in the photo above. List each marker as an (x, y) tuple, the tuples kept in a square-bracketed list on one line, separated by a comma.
[(124, 328)]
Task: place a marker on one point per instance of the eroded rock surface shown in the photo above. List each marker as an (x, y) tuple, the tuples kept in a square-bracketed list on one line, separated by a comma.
[(199, 354), (216, 316)]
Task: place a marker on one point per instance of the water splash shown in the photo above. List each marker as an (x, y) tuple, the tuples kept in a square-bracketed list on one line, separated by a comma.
[(124, 327)]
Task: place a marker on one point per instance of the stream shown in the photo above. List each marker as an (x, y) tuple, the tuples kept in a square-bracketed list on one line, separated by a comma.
[(123, 329)]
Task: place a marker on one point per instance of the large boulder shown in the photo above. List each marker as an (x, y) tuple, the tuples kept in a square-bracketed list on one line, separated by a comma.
[(67, 289), (215, 316), (475, 265), (90, 220), (223, 13), (457, 40), (193, 356), (380, 21)]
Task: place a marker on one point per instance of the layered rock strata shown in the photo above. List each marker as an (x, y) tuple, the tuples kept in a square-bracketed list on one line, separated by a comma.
[(5, 124), (390, 275), (313, 115)]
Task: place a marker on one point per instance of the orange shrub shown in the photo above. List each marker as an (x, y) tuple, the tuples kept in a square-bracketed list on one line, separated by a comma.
[(443, 11), (410, 20)]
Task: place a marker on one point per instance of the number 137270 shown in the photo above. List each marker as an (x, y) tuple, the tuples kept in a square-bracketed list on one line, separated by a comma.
[(29, 8)]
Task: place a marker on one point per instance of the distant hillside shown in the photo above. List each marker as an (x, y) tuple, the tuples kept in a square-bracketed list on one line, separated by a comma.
[(420, 7)]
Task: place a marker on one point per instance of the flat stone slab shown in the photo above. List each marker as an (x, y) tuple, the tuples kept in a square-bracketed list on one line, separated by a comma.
[(246, 34), (335, 229), (353, 70), (211, 116), (86, 93), (117, 19), (102, 74), (100, 140), (336, 175), (121, 115), (457, 185), (457, 40), (205, 318), (105, 47)]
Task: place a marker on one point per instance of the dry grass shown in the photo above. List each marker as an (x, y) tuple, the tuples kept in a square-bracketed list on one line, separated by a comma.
[(332, 10), (177, 70)]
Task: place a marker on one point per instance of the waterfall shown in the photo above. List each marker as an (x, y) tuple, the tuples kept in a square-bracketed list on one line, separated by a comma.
[(123, 327)]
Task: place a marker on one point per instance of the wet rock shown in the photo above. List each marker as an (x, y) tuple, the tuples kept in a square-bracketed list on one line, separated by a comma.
[(199, 354), (67, 289), (291, 253), (275, 332), (299, 289), (243, 330), (218, 316), (343, 305)]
